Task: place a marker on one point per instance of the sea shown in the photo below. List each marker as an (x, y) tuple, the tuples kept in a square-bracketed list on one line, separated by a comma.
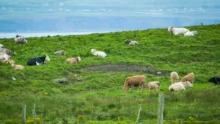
[(45, 34)]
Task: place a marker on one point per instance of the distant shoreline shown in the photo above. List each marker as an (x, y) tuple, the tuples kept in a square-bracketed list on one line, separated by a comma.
[(43, 34)]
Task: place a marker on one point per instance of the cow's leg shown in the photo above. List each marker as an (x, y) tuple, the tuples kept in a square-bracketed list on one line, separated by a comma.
[(37, 63), (142, 89)]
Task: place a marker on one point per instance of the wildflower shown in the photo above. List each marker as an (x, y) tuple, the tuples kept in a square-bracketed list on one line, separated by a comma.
[(45, 93), (192, 119)]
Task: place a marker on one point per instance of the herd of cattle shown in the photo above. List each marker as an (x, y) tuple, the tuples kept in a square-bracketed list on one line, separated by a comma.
[(176, 85), (138, 80)]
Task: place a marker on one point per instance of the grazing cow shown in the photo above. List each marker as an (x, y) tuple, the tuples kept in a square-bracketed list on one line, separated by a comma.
[(138, 80), (189, 77), (215, 80), (154, 85), (73, 60), (131, 42), (174, 77), (180, 86), (177, 31), (17, 67), (20, 39), (60, 52), (38, 60), (98, 53)]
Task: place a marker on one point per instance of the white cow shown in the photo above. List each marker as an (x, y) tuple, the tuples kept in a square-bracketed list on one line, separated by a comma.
[(177, 31), (190, 33), (98, 53), (180, 86)]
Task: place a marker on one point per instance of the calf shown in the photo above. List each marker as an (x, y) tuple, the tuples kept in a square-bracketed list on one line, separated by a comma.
[(154, 85)]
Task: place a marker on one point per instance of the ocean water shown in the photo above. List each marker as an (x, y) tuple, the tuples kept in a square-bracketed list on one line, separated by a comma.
[(38, 34), (76, 16)]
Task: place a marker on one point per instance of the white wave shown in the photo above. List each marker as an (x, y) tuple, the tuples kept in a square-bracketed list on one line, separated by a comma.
[(151, 13), (60, 9), (50, 10), (3, 8), (86, 10), (160, 9), (45, 4), (67, 10)]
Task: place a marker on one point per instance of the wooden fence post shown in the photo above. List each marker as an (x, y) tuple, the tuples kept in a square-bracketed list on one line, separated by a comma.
[(138, 116), (160, 109), (24, 115), (34, 114)]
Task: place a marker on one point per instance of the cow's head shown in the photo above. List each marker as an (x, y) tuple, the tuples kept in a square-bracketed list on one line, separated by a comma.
[(47, 58)]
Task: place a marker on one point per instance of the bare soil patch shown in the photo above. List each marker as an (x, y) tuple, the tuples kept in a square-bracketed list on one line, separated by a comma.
[(127, 68)]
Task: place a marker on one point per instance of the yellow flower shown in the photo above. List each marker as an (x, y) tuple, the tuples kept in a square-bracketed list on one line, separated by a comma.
[(191, 118), (45, 93)]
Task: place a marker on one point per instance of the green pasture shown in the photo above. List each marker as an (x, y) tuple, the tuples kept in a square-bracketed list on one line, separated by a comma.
[(94, 92)]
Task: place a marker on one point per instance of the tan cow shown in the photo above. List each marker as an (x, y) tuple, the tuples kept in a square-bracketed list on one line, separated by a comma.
[(154, 85), (138, 80), (189, 77), (73, 60), (17, 67), (174, 77)]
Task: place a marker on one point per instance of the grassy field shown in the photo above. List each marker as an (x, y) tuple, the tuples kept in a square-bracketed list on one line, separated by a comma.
[(93, 93)]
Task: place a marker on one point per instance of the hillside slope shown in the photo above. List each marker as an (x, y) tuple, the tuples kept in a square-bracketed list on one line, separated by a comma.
[(93, 92)]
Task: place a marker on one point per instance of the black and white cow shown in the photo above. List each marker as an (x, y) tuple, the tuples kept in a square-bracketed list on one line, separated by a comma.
[(38, 60), (215, 80)]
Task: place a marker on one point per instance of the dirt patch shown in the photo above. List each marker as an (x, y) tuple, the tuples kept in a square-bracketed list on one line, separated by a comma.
[(127, 68)]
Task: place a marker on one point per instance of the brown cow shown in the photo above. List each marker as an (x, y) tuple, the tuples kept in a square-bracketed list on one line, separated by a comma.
[(138, 80)]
